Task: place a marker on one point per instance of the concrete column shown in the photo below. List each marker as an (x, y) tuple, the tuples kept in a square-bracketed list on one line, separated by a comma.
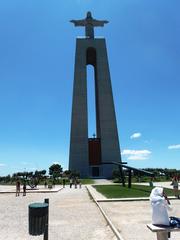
[(78, 159), (110, 149)]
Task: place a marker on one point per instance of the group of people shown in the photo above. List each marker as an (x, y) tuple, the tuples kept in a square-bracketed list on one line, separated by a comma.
[(72, 181), (18, 188), (75, 182)]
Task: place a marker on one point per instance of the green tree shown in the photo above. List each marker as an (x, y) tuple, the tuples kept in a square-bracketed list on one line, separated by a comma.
[(55, 170), (40, 174), (74, 174), (66, 173)]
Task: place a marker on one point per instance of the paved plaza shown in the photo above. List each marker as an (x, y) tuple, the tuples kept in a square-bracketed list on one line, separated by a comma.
[(131, 218), (74, 215)]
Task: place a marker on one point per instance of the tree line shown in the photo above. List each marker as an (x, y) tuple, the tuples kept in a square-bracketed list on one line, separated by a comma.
[(55, 172), (160, 174)]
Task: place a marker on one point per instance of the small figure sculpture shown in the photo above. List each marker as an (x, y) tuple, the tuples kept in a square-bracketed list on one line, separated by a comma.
[(89, 23)]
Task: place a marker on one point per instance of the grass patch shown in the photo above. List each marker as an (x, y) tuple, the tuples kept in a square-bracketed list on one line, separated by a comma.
[(117, 191), (87, 181)]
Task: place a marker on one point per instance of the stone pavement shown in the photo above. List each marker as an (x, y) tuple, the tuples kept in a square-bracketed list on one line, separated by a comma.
[(131, 217), (73, 215)]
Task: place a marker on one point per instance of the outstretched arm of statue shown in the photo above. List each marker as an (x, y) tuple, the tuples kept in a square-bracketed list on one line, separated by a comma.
[(78, 22), (99, 23)]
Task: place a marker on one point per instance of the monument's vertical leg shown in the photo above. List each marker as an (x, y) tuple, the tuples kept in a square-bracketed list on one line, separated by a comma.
[(107, 126), (78, 159)]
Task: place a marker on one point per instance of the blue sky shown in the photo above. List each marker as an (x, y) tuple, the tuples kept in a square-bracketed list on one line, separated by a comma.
[(37, 48)]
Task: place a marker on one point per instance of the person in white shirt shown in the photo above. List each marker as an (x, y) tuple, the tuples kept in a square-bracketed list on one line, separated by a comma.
[(160, 206)]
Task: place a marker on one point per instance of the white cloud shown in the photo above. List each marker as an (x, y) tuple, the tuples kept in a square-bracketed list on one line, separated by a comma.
[(137, 157), (177, 146), (136, 154), (135, 135), (2, 164)]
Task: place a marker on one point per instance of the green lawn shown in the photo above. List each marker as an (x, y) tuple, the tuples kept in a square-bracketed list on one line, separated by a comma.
[(87, 181), (117, 191)]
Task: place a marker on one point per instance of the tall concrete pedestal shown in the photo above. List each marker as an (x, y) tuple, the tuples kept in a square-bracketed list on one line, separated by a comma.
[(93, 51)]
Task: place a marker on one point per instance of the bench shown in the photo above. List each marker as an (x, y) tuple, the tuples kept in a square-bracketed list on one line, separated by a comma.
[(162, 231)]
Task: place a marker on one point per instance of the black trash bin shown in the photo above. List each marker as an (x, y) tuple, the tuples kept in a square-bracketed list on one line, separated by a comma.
[(38, 218)]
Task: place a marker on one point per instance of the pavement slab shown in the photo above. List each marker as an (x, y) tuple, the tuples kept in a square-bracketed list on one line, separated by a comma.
[(73, 215), (131, 218)]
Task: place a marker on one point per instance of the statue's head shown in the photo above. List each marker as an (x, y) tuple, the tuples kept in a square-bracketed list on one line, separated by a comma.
[(89, 15)]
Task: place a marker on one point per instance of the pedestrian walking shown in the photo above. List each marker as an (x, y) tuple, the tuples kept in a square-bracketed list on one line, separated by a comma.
[(70, 182), (79, 183), (18, 187), (75, 182), (24, 189), (175, 187), (64, 182)]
